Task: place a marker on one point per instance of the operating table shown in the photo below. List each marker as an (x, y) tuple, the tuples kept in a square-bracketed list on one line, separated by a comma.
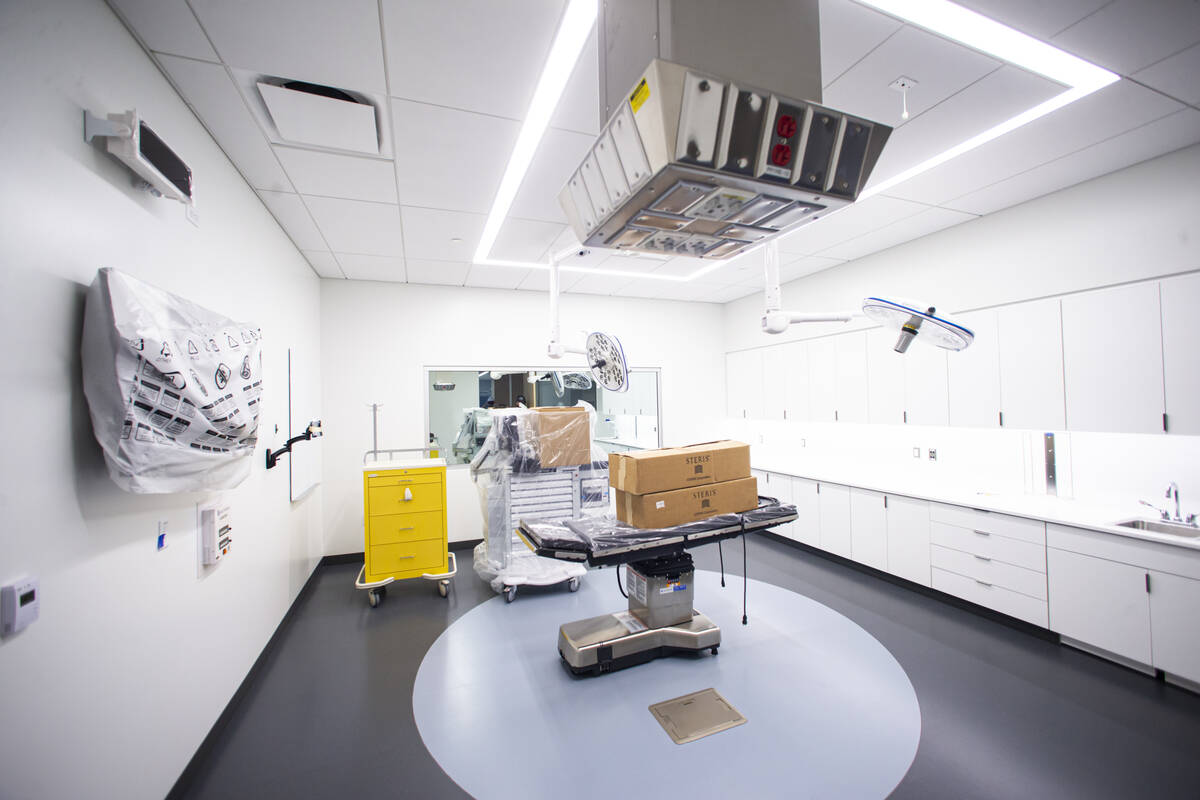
[(659, 577)]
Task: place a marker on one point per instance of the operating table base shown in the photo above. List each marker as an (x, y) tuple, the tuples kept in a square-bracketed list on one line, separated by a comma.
[(614, 641)]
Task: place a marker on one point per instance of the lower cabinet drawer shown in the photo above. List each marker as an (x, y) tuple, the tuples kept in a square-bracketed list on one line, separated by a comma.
[(404, 528), (997, 573), (386, 559), (1028, 530), (994, 597), (999, 548)]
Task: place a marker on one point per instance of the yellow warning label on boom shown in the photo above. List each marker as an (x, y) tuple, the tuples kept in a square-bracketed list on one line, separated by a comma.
[(639, 96)]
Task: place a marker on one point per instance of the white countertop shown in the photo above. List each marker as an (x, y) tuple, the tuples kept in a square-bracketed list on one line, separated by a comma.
[(1094, 516), (405, 463)]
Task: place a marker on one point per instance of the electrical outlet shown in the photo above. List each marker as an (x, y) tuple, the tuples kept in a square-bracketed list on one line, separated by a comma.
[(804, 442), (932, 454), (916, 452)]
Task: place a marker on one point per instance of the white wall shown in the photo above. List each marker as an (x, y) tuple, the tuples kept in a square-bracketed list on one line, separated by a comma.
[(379, 337), (110, 692), (1136, 224)]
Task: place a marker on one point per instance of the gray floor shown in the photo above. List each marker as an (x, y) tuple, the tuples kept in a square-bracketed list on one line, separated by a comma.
[(1004, 713)]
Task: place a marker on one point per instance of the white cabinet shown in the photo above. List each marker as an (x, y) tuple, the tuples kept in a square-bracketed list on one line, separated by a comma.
[(908, 538), (795, 381), (744, 384), (1181, 355), (885, 378), (780, 487), (851, 383), (774, 390), (835, 519), (822, 379), (1113, 360), (974, 374), (1031, 367), (868, 529), (1100, 603), (1174, 628), (925, 391), (807, 527)]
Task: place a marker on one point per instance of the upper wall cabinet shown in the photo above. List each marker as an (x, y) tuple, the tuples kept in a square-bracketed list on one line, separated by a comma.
[(774, 391), (851, 384), (822, 379), (885, 378), (974, 374), (795, 381), (1113, 360), (1181, 352), (744, 384), (1031, 367), (925, 393)]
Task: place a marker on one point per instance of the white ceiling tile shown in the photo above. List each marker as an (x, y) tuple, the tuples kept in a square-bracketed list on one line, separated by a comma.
[(538, 280), (359, 267), (167, 26), (700, 291), (355, 226), (294, 218), (446, 273), (558, 156), (601, 284), (1178, 76), (447, 158), (525, 240), (805, 265), (431, 234), (1161, 136), (1129, 35), (324, 263), (847, 223), (1119, 107), (939, 66), (997, 97), (1038, 18), (334, 175), (633, 264), (683, 266), (914, 227), (481, 55), (213, 96), (727, 294), (335, 44), (490, 277), (579, 107), (849, 32)]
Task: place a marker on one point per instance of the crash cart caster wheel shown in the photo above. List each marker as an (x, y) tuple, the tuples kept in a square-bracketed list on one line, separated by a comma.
[(510, 593), (373, 598), (573, 585), (442, 587)]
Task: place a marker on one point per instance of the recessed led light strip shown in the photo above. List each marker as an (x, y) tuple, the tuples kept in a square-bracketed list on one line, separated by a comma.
[(941, 17)]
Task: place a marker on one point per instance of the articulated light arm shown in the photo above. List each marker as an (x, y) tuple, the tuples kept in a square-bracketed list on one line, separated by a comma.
[(776, 320), (556, 349)]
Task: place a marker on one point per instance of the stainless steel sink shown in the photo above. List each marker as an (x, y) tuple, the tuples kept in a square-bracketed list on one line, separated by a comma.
[(1161, 526)]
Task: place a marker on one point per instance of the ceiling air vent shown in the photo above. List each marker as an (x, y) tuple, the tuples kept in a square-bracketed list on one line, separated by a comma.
[(321, 116)]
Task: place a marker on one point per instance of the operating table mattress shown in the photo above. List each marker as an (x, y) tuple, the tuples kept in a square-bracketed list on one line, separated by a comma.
[(603, 539)]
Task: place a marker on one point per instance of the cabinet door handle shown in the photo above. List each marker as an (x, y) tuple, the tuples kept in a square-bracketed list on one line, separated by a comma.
[(1147, 583), (982, 558), (410, 527), (982, 533), (983, 583), (402, 558)]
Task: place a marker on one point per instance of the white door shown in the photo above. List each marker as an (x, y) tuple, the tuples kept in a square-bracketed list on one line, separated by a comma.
[(885, 378), (925, 390), (1181, 356), (822, 378), (1031, 372), (908, 538), (851, 382), (868, 528), (807, 527), (795, 381), (1175, 629), (773, 381), (834, 503), (974, 374), (1113, 360), (1099, 602)]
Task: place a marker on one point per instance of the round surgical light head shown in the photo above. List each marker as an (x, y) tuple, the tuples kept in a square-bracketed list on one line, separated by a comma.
[(917, 322), (607, 360), (577, 380)]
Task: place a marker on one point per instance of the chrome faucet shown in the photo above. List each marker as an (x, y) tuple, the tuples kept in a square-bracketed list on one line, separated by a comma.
[(1173, 488)]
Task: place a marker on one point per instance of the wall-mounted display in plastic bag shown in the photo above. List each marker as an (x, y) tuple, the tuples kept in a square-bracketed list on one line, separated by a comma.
[(173, 388)]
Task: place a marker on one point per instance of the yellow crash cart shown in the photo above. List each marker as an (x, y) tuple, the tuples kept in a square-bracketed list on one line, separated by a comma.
[(404, 523)]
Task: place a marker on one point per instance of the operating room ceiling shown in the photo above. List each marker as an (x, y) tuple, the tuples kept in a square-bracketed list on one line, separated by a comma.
[(451, 82)]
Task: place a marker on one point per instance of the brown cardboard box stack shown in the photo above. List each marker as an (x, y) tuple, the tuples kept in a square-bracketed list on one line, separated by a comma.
[(564, 435), (674, 485)]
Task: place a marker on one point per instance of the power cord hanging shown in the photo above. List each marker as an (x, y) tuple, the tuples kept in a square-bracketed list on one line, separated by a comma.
[(745, 575), (620, 588), (722, 554)]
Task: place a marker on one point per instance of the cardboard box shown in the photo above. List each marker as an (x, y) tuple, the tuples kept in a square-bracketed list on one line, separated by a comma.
[(675, 507), (649, 471), (564, 435)]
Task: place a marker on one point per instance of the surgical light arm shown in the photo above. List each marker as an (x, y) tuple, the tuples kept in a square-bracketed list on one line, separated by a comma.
[(776, 320)]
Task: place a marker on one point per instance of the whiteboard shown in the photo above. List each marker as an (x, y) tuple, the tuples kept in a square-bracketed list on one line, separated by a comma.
[(304, 462)]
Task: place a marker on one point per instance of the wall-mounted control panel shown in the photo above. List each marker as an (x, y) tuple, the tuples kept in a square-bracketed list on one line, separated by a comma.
[(216, 533), (19, 602)]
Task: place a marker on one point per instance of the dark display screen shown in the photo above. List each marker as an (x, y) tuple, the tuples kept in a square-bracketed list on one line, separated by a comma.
[(163, 159), (27, 598)]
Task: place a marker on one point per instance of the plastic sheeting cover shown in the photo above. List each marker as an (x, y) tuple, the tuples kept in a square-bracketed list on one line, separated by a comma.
[(172, 388)]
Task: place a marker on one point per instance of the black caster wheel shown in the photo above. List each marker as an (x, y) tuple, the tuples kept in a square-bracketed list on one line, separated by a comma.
[(713, 651), (510, 593), (573, 585)]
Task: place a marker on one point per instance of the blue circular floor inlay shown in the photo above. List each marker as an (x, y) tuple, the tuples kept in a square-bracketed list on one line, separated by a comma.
[(830, 713)]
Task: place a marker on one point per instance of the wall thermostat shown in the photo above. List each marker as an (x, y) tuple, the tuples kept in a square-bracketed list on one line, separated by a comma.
[(216, 533), (18, 605)]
